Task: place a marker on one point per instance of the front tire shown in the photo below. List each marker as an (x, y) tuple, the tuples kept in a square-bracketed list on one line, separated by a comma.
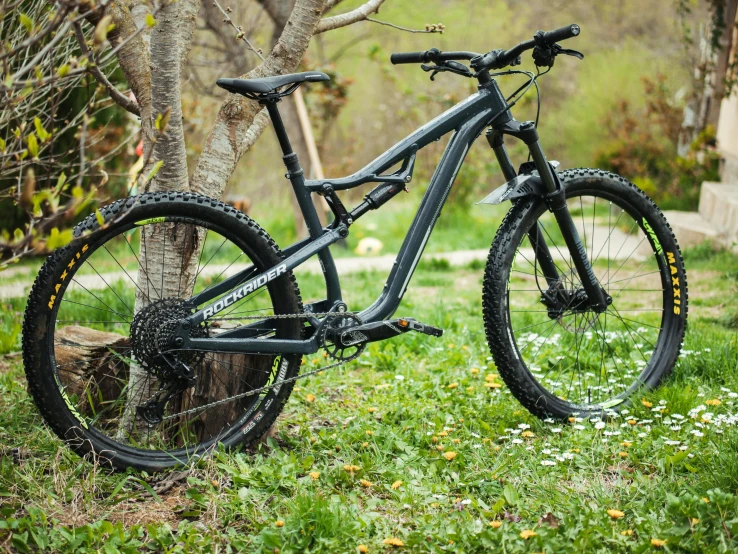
[(561, 361)]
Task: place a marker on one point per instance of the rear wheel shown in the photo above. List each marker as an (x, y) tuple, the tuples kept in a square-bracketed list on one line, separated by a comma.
[(96, 338), (557, 356)]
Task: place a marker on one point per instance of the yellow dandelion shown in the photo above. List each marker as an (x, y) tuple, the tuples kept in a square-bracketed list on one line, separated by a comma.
[(439, 448), (658, 543), (626, 444), (705, 500), (363, 548), (315, 475), (497, 448), (452, 386), (364, 444), (393, 541), (449, 455), (491, 377), (713, 402), (372, 410), (527, 533), (368, 432), (646, 403), (474, 370), (456, 441), (434, 440), (351, 468), (695, 521), (527, 434), (572, 419), (496, 524), (451, 345), (470, 388), (313, 439), (493, 385), (443, 434), (627, 532), (615, 514), (632, 422), (623, 454), (310, 398), (396, 485), (366, 484), (279, 523)]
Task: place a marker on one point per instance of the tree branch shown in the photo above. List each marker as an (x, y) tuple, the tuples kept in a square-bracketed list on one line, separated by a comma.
[(118, 97), (438, 28), (359, 14)]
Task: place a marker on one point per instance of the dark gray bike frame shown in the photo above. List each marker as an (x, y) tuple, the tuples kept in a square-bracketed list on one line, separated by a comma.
[(486, 108)]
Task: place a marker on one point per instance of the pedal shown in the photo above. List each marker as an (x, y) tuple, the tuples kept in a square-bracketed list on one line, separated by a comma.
[(386, 329)]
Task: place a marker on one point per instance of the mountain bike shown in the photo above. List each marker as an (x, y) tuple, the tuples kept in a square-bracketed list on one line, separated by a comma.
[(173, 323)]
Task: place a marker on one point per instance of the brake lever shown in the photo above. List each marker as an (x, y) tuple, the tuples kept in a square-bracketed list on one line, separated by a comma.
[(452, 66), (544, 55)]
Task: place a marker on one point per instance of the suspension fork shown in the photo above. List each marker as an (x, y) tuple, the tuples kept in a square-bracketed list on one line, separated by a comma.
[(556, 199), (535, 235)]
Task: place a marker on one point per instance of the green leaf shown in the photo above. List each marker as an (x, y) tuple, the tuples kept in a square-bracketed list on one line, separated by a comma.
[(32, 145), (150, 20), (154, 171), (511, 495), (18, 235), (63, 70), (58, 239), (26, 21), (42, 133), (2, 145), (100, 218)]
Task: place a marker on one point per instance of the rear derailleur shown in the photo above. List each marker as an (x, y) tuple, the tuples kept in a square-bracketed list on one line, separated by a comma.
[(178, 379)]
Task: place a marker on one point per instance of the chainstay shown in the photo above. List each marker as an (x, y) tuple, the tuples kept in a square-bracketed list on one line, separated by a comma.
[(255, 391)]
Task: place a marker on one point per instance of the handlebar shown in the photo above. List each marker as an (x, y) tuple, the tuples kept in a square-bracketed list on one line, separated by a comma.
[(496, 59), (432, 55)]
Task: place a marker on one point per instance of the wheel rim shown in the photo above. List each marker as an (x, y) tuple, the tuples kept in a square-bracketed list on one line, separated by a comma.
[(591, 362), (100, 297)]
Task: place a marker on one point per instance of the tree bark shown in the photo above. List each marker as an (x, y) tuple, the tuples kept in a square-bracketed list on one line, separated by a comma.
[(225, 143)]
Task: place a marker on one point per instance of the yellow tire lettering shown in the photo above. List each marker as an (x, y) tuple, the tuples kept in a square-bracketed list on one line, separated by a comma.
[(51, 301)]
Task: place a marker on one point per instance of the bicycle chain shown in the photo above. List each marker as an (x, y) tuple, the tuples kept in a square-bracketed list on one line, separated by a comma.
[(265, 387)]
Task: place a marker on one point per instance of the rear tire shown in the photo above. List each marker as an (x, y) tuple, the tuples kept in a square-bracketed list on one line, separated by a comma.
[(87, 421), (597, 363)]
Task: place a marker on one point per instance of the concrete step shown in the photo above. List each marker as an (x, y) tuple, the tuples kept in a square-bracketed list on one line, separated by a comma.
[(719, 206), (692, 229)]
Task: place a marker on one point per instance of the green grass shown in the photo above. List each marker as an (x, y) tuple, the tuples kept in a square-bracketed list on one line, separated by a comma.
[(668, 466)]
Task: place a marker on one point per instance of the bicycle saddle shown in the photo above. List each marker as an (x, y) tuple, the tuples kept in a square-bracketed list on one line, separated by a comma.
[(266, 85)]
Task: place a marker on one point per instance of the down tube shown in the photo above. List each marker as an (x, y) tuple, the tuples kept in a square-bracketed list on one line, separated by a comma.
[(428, 212)]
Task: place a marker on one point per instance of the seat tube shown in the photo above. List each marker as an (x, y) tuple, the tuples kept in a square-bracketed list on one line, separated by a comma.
[(557, 203), (297, 178)]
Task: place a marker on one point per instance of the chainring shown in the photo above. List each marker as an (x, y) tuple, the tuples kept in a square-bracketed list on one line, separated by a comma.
[(330, 337)]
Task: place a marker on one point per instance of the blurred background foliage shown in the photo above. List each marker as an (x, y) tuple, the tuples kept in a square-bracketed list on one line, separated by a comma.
[(620, 109)]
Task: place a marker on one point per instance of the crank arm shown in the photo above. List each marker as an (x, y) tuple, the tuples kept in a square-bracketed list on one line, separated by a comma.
[(386, 329)]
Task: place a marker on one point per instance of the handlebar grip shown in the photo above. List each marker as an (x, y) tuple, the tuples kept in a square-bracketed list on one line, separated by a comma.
[(570, 31), (408, 57)]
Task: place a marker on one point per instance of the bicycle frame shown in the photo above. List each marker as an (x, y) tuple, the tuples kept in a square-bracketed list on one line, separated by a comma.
[(485, 108)]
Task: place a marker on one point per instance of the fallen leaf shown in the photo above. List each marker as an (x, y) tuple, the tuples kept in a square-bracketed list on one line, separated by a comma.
[(550, 520)]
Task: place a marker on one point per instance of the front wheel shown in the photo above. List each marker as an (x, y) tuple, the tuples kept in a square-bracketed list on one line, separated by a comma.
[(558, 357)]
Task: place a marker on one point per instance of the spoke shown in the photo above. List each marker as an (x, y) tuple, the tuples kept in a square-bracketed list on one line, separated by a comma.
[(94, 308), (628, 328), (138, 261), (612, 228), (111, 288), (101, 302), (628, 279)]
